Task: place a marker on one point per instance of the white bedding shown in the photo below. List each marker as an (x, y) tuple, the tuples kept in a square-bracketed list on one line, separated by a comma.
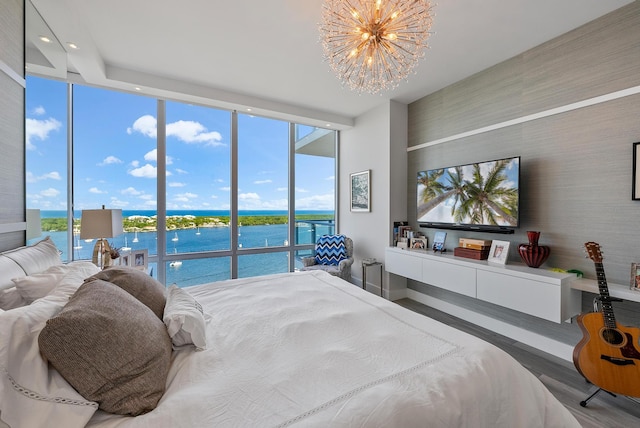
[(308, 349)]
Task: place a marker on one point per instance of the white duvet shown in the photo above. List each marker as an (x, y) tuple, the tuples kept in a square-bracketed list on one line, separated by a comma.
[(307, 349)]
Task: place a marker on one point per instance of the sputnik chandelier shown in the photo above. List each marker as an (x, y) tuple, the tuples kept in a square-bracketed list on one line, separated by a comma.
[(372, 45)]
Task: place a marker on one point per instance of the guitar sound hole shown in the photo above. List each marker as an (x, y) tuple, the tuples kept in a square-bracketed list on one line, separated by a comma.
[(612, 336)]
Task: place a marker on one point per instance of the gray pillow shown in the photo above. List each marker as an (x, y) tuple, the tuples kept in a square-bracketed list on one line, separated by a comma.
[(137, 283), (110, 347)]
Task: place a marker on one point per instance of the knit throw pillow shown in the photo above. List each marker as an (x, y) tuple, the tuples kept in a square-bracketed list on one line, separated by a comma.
[(330, 250)]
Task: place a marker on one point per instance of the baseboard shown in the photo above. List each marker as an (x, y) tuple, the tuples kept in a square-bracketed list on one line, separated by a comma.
[(543, 343)]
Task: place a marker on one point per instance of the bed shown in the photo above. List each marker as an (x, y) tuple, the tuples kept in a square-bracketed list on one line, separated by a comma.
[(296, 349)]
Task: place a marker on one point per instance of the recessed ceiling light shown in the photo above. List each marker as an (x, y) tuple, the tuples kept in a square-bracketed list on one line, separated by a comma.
[(45, 39), (329, 125), (248, 109), (72, 45), (137, 88)]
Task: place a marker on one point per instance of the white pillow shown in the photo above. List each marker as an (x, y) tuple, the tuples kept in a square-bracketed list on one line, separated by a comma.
[(32, 394), (38, 285), (184, 319), (35, 258)]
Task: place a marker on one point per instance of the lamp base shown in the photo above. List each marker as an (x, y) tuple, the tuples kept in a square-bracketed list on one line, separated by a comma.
[(101, 253)]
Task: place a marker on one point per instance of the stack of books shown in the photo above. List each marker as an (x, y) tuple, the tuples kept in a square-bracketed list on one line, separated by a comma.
[(477, 249)]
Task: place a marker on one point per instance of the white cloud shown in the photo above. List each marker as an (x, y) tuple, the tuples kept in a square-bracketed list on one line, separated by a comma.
[(145, 197), (146, 125), (146, 171), (109, 160), (131, 191), (185, 197), (282, 189), (115, 202), (331, 178), (152, 156), (252, 196), (35, 128), (181, 171), (39, 111), (301, 190), (193, 132), (135, 163), (53, 175), (176, 184), (262, 181), (226, 189), (97, 191), (316, 202), (184, 130), (151, 204), (50, 192)]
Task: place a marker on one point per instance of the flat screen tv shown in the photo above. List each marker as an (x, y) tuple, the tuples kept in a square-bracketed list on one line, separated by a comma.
[(483, 196)]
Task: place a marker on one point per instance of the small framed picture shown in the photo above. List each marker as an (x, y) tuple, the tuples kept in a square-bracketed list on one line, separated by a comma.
[(361, 191), (498, 252), (125, 260), (139, 259), (438, 241), (635, 276), (419, 243)]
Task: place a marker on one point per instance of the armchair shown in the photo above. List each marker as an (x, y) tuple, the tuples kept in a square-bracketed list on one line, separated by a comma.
[(333, 254)]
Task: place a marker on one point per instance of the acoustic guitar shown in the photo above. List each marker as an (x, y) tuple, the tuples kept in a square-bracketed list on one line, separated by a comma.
[(607, 356)]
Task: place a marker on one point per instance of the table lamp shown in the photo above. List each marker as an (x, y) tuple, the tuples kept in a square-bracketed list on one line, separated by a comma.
[(100, 224)]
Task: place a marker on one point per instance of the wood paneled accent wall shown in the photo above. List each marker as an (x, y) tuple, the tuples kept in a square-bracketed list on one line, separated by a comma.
[(576, 166), (12, 104)]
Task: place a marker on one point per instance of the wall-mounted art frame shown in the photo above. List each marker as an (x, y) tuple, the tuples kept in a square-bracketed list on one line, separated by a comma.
[(635, 184), (361, 191)]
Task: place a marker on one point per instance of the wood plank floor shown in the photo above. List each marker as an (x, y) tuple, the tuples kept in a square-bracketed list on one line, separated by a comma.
[(559, 376)]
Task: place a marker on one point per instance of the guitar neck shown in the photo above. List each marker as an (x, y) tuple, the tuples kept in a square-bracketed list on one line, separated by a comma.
[(607, 307)]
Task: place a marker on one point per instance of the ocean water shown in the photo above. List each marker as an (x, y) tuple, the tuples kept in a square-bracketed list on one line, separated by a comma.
[(197, 271)]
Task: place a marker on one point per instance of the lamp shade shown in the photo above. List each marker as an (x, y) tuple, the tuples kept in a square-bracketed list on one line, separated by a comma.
[(34, 227), (100, 224)]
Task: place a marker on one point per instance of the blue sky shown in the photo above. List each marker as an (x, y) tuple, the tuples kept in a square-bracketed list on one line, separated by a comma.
[(115, 156)]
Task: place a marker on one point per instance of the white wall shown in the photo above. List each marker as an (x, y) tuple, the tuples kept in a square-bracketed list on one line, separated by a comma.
[(378, 142)]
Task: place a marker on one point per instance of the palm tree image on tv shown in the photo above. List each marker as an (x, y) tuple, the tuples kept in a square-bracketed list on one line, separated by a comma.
[(484, 193)]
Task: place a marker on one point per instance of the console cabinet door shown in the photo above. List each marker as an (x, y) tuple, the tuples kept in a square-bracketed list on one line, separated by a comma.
[(403, 264), (452, 277), (535, 298)]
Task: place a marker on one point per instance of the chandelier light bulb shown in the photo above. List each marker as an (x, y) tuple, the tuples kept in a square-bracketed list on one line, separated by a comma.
[(372, 45)]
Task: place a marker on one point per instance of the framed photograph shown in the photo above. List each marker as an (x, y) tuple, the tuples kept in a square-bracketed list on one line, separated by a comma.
[(498, 252), (635, 184), (139, 259), (438, 241), (419, 243), (125, 260), (361, 191), (635, 276)]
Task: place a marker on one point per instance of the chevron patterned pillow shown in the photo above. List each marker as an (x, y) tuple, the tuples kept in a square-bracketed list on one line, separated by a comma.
[(330, 249)]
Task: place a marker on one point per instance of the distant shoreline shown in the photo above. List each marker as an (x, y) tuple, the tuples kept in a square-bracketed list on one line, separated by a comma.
[(142, 223)]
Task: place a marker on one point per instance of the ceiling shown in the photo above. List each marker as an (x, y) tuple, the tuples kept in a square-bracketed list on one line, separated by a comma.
[(266, 55)]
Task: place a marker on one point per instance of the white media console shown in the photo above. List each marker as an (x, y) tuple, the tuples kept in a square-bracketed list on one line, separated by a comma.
[(542, 293)]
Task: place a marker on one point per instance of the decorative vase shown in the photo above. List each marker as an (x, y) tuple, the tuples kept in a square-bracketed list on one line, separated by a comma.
[(532, 253)]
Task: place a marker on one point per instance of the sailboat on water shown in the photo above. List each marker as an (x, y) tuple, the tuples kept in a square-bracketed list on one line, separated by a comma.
[(126, 247), (135, 237), (198, 232), (175, 237)]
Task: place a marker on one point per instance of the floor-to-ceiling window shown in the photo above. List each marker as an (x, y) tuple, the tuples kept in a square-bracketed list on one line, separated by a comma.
[(46, 158), (236, 195)]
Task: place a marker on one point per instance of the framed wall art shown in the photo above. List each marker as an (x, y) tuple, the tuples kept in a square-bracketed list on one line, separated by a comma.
[(361, 191)]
